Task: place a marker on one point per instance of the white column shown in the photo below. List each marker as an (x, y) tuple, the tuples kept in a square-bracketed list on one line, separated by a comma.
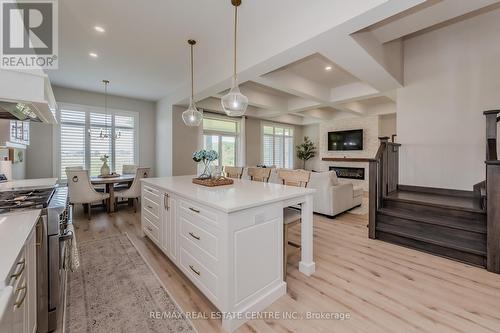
[(307, 265)]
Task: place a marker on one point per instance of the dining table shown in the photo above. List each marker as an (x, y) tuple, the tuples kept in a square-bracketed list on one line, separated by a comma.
[(109, 183)]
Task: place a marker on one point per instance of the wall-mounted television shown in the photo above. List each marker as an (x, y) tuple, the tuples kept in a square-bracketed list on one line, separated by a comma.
[(345, 140)]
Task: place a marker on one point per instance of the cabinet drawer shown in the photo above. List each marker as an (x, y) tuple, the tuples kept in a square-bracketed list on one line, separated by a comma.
[(151, 207), (155, 220), (151, 193), (199, 274), (151, 230), (198, 236), (198, 212)]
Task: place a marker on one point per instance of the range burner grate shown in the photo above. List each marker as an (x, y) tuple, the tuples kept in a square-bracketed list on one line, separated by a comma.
[(25, 198)]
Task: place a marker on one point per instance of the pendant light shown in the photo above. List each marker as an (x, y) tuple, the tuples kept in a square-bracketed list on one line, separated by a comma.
[(234, 102), (192, 117), (106, 133)]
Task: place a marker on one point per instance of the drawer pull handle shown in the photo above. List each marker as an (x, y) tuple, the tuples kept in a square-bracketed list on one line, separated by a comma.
[(194, 236), (194, 210), (21, 270), (194, 270), (21, 301), (150, 207), (166, 199), (150, 229)]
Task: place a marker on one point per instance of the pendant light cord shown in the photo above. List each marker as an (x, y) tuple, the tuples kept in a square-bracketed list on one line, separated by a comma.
[(192, 75), (235, 32)]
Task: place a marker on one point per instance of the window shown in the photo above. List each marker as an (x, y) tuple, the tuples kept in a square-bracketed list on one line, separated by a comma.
[(222, 135), (72, 140), (277, 146), (81, 144)]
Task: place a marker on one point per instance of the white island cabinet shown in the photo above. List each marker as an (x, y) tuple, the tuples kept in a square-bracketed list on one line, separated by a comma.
[(227, 240)]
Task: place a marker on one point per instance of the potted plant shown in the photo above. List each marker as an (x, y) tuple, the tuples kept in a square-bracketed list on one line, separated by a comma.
[(306, 151), (206, 157)]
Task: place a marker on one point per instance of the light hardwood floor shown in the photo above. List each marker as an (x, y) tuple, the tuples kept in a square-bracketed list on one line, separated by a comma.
[(384, 288)]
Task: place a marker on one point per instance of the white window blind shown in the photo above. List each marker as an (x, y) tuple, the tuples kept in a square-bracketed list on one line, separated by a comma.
[(125, 144), (277, 146), (81, 143), (100, 146), (72, 139)]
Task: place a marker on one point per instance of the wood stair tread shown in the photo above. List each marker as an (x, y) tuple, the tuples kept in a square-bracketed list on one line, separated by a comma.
[(449, 222), (478, 249), (468, 204)]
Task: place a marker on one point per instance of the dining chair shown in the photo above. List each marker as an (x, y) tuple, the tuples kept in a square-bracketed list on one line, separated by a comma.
[(134, 192), (127, 169), (233, 172), (259, 174), (81, 191), (291, 216)]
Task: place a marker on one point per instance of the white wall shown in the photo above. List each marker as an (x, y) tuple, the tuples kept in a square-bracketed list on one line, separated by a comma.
[(312, 132), (41, 147), (164, 138), (451, 75)]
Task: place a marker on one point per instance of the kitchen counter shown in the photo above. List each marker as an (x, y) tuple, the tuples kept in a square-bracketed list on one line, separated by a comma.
[(228, 240), (14, 231), (28, 183), (241, 195)]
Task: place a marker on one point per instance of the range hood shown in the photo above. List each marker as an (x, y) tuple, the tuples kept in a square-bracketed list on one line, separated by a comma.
[(24, 111), (26, 96)]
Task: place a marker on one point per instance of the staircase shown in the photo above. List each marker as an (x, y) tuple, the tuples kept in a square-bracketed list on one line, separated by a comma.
[(459, 225), (451, 225)]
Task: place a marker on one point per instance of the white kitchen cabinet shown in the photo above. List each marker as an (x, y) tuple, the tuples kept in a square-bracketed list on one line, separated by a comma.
[(31, 297), (19, 300), (169, 226)]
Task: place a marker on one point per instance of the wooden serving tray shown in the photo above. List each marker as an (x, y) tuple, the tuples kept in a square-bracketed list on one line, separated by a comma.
[(211, 182), (111, 175)]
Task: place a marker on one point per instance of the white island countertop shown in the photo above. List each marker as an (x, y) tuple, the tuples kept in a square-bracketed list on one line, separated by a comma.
[(241, 195), (27, 183), (14, 231)]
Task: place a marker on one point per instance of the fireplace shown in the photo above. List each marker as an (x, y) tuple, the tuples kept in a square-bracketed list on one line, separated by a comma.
[(349, 172)]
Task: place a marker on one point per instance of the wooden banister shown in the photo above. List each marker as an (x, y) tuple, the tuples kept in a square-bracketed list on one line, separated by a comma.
[(492, 192), (383, 178)]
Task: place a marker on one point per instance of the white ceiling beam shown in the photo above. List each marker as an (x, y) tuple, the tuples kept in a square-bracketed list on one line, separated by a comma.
[(435, 12)]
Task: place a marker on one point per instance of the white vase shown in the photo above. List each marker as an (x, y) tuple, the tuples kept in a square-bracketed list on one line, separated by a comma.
[(105, 169)]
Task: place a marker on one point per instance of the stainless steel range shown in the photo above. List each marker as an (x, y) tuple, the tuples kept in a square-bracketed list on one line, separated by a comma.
[(52, 236)]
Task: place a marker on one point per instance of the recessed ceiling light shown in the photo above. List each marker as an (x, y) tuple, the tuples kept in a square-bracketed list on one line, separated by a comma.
[(328, 68), (93, 54), (99, 29)]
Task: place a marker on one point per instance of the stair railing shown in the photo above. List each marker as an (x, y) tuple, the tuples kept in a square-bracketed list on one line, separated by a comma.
[(492, 191), (383, 178)]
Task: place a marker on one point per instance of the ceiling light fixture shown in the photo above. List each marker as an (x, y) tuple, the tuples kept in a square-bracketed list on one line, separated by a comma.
[(328, 68), (93, 55), (99, 29), (192, 117), (234, 102)]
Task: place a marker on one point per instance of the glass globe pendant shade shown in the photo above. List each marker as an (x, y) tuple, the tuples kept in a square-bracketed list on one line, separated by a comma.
[(234, 102), (192, 117)]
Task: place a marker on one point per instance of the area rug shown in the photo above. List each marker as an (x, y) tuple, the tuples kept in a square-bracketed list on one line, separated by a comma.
[(361, 210), (114, 290)]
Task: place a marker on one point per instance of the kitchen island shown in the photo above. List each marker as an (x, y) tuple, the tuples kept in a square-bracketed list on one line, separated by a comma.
[(227, 240)]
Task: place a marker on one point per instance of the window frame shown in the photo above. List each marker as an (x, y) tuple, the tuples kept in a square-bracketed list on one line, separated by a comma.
[(220, 134), (274, 126), (88, 109)]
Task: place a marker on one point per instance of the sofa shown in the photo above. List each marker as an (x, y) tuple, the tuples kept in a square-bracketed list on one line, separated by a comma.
[(331, 197)]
